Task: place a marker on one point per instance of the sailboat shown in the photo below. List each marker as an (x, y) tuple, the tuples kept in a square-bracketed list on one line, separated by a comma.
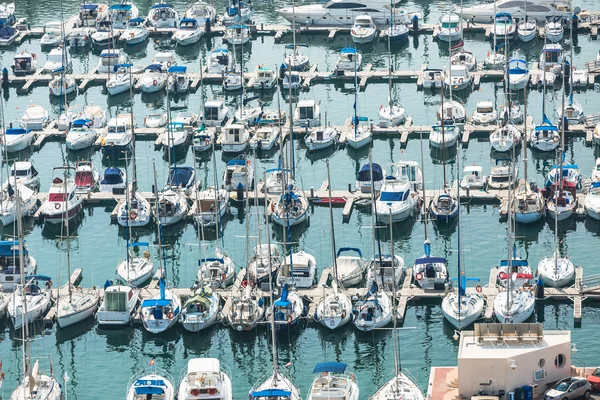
[(295, 61), (556, 271), (495, 59), (244, 114), (151, 383), (461, 309), (288, 311), (373, 311), (362, 134), (573, 112)]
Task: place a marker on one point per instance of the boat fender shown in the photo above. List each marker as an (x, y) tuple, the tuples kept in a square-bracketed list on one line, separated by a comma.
[(456, 28), (289, 319), (478, 289), (352, 376), (244, 282), (91, 122), (460, 80), (49, 284), (502, 275), (57, 205), (555, 139), (343, 314), (146, 254), (419, 276), (223, 276), (155, 82)]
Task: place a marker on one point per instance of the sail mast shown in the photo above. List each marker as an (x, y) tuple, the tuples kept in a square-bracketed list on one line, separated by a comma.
[(272, 316), (334, 261)]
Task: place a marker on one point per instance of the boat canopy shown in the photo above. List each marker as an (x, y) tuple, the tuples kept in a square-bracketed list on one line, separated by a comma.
[(348, 249), (38, 278), (149, 390), (350, 50), (137, 21), (514, 263), (430, 260), (503, 15), (149, 386), (156, 303), (283, 300), (154, 67), (211, 259), (365, 172), (112, 176), (120, 7), (162, 5), (180, 176), (89, 7), (198, 299), (81, 122), (219, 50), (177, 69), (567, 166), (110, 53), (291, 46), (232, 163), (270, 393), (517, 66), (188, 22), (138, 244), (9, 248), (336, 367), (16, 131)]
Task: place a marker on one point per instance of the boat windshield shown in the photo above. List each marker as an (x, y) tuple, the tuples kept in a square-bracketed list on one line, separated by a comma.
[(394, 196), (485, 110), (596, 372), (449, 25), (55, 197), (116, 129), (211, 113)]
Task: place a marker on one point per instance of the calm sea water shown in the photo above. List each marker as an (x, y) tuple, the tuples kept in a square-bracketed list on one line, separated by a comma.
[(100, 363)]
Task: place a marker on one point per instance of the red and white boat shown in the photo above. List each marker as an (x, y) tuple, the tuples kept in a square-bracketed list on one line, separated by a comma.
[(62, 197), (87, 178)]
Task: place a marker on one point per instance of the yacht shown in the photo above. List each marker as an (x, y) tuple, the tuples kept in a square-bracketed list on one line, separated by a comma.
[(307, 113), (161, 312), (518, 74), (485, 113), (214, 113), (238, 12), (397, 202), (265, 138), (8, 35), (503, 175), (174, 135), (204, 378), (63, 203), (299, 270), (504, 26), (201, 310), (264, 78), (332, 382), (24, 63), (288, 311), (350, 59), (552, 58), (295, 58), (219, 61), (465, 58), (104, 35), (527, 30), (444, 207), (453, 112), (119, 305), (17, 137), (56, 61), (458, 78), (52, 34), (370, 176), (514, 306), (237, 35), (431, 272), (119, 82), (238, 173), (386, 271), (201, 11), (27, 200), (556, 271), (10, 265), (537, 10), (562, 204), (135, 214), (35, 117), (151, 384), (373, 311), (364, 29), (235, 138), (289, 209), (118, 136), (188, 32), (31, 297), (450, 28), (61, 86), (528, 204), (24, 173), (108, 59), (444, 137), (136, 271), (153, 79), (592, 201), (473, 178), (87, 178), (135, 33), (163, 15), (218, 271), (90, 13), (545, 137), (122, 12), (172, 207)]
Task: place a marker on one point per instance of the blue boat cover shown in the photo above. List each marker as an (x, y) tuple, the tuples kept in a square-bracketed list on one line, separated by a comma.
[(503, 15), (163, 5), (176, 69), (188, 21), (38, 278), (112, 176), (291, 46), (154, 67), (16, 131), (221, 50), (180, 176), (231, 163), (283, 300), (120, 7), (81, 122), (348, 249), (330, 366), (514, 263), (7, 32), (156, 303), (595, 184), (350, 50), (430, 260), (210, 259), (151, 390), (567, 166), (6, 248), (90, 7), (137, 20), (270, 393), (364, 175)]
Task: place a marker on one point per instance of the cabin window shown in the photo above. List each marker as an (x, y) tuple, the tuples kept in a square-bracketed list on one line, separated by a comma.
[(333, 5), (541, 363), (114, 301), (56, 197), (559, 361)]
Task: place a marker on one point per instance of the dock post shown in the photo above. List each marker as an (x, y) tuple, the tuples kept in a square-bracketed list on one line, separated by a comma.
[(350, 187), (312, 192), (415, 23)]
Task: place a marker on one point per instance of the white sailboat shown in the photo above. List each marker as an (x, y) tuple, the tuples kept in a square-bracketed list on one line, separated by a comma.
[(373, 311), (161, 312), (391, 114), (362, 134)]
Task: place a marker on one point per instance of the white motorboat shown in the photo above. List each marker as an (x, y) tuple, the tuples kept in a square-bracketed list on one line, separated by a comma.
[(264, 78), (233, 81), (433, 78), (518, 74), (87, 178), (119, 136), (554, 31), (163, 15), (556, 271), (187, 118), (155, 120), (238, 12), (397, 201), (465, 58), (219, 61), (364, 29), (135, 33), (35, 117), (119, 82), (178, 81), (485, 113), (63, 203), (562, 205), (292, 81), (118, 306), (453, 112), (96, 114), (350, 268), (188, 32), (165, 59), (592, 201), (473, 178), (8, 36), (505, 138), (65, 120), (321, 138), (61, 86), (52, 34), (113, 181), (514, 306), (370, 176), (10, 265), (450, 28), (503, 175), (462, 309), (237, 35), (204, 377), (153, 383), (24, 173), (235, 138), (580, 78), (217, 271), (536, 10), (350, 59), (494, 60), (335, 309), (174, 135), (386, 271), (373, 311), (108, 59), (332, 382), (80, 37), (307, 113), (299, 269), (81, 135), (552, 58), (136, 213), (504, 26), (201, 310), (545, 137), (239, 173), (136, 271), (528, 204), (172, 207), (527, 30), (201, 11), (431, 272), (289, 209), (153, 80), (161, 311), (265, 138), (122, 12), (444, 137), (56, 61), (246, 311), (17, 137), (27, 201), (90, 13), (24, 63), (459, 78), (31, 297)]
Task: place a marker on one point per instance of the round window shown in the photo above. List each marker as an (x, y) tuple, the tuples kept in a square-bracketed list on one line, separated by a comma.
[(541, 363), (559, 361)]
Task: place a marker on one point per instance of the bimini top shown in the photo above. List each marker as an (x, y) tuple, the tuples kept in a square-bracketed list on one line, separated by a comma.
[(365, 175), (350, 50), (330, 366), (188, 21), (137, 20), (162, 5), (110, 53), (154, 67), (81, 122), (503, 15), (270, 393), (177, 69), (514, 263), (45, 278), (89, 7), (517, 66), (430, 260), (219, 50), (204, 365), (10, 247), (235, 162), (291, 46), (120, 7), (149, 386)]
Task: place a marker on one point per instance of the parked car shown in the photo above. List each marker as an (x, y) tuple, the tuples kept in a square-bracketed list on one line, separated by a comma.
[(594, 380), (569, 389)]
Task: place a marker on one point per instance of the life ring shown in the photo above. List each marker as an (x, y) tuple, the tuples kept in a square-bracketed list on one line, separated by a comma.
[(456, 28), (133, 214), (223, 276), (419, 276), (169, 63), (2, 376), (478, 289), (324, 374), (289, 319), (245, 283), (91, 122), (146, 254), (170, 315), (131, 34), (555, 139), (343, 314), (155, 82), (57, 205)]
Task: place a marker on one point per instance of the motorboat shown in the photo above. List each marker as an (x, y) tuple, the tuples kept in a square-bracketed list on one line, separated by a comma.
[(452, 111), (552, 58), (238, 12), (458, 77), (430, 272), (511, 113), (289, 209), (136, 271), (188, 32), (504, 26), (181, 177), (26, 203), (219, 61), (61, 86), (386, 271), (202, 140), (23, 173), (265, 138), (233, 81), (113, 181), (373, 311), (31, 297), (291, 81), (96, 114), (527, 30), (237, 35), (536, 10), (397, 202), (53, 35), (462, 309), (122, 12), (119, 305), (201, 310), (24, 63), (11, 265), (350, 268), (450, 28), (264, 78), (370, 176), (173, 136), (17, 137), (465, 58), (528, 203), (218, 272), (165, 59), (119, 82), (187, 118), (155, 120), (63, 202), (433, 78), (7, 14), (272, 117), (334, 310), (153, 80), (505, 138), (307, 113), (579, 78), (104, 35), (485, 113), (518, 74), (65, 120), (201, 11), (134, 213), (592, 201), (154, 383), (503, 175), (172, 207), (239, 173), (163, 15), (294, 59), (135, 33), (119, 135), (364, 29), (442, 137), (473, 178), (350, 59), (444, 207), (288, 311), (332, 382), (205, 378), (161, 312), (562, 204), (321, 138), (235, 138), (299, 269), (570, 175), (81, 135), (554, 31), (87, 178), (90, 13), (556, 271), (514, 306), (108, 59), (35, 117), (8, 35)]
